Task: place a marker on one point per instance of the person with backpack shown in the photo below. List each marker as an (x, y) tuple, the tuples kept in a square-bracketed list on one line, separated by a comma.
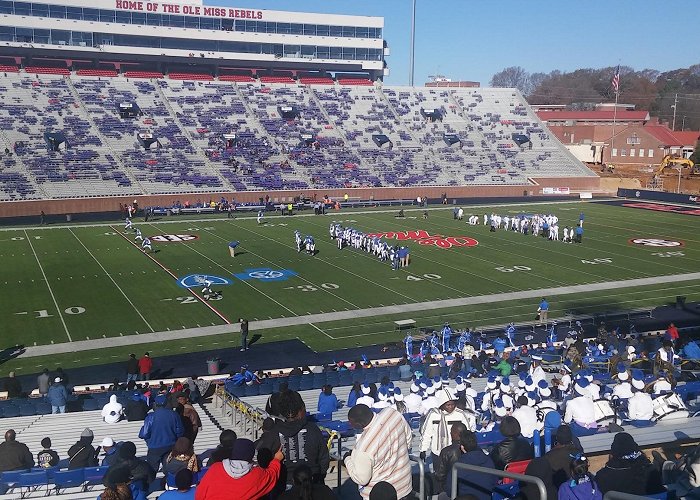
[(82, 454)]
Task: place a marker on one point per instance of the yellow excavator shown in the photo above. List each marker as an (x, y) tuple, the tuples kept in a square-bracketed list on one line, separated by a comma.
[(670, 161)]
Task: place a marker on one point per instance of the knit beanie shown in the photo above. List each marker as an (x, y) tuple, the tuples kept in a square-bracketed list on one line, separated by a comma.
[(87, 432), (243, 449), (624, 446)]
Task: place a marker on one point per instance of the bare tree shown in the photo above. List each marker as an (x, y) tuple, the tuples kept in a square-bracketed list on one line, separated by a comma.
[(513, 77)]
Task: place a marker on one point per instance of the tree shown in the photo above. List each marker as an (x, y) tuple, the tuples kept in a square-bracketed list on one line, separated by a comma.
[(513, 77), (695, 157)]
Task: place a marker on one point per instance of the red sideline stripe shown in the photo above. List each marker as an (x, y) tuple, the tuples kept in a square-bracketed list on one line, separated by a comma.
[(201, 299)]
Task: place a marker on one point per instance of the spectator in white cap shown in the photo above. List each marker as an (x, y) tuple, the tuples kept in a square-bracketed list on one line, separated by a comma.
[(110, 450), (505, 385), (430, 400), (57, 396), (662, 384), (383, 399), (623, 389), (536, 371), (435, 431), (546, 402), (366, 399), (113, 411), (580, 411), (593, 388), (413, 400), (526, 416), (640, 407), (622, 374), (631, 354), (399, 404), (563, 382)]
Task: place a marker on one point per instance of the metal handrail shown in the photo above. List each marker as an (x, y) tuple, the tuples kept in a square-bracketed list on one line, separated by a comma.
[(421, 471), (618, 495), (502, 473)]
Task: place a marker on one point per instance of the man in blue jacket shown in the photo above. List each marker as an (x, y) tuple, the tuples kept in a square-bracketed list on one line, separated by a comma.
[(57, 396), (468, 482), (160, 431)]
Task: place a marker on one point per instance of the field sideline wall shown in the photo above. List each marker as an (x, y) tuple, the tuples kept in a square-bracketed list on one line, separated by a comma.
[(111, 204)]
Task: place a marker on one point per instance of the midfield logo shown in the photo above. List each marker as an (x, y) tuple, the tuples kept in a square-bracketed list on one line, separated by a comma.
[(654, 242), (173, 238), (266, 274), (195, 280), (425, 238)]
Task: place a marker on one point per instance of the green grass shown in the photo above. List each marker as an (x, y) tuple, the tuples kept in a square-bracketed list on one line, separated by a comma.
[(99, 284)]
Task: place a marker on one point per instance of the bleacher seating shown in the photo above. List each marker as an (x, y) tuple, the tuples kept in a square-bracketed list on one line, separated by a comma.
[(329, 143), (190, 76), (9, 69), (40, 70), (143, 74), (96, 72)]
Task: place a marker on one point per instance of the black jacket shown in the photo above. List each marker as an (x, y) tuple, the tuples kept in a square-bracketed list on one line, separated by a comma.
[(511, 449), (139, 470), (302, 442), (135, 410), (13, 387), (132, 366), (15, 456), (559, 458), (82, 454), (448, 456), (636, 477)]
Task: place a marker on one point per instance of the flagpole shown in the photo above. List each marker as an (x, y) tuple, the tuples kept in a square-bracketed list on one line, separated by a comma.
[(612, 138)]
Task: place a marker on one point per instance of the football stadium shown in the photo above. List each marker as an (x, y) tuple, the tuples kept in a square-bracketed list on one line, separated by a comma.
[(239, 264)]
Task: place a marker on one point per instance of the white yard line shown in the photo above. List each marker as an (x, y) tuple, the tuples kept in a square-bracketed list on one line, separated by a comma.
[(53, 297), (317, 328), (112, 280), (232, 273)]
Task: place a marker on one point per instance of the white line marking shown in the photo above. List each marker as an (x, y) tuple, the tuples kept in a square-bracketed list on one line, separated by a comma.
[(65, 327), (317, 328), (112, 280)]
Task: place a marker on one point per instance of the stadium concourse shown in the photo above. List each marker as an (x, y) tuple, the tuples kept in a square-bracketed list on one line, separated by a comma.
[(487, 389)]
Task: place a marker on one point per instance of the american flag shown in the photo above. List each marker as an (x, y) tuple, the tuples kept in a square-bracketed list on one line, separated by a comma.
[(616, 79)]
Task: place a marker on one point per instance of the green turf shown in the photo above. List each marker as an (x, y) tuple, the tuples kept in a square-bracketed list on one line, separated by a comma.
[(100, 284)]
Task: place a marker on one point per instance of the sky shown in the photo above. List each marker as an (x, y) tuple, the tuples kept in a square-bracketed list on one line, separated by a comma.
[(473, 39)]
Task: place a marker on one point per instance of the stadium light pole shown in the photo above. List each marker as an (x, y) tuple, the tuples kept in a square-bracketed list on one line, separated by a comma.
[(412, 55)]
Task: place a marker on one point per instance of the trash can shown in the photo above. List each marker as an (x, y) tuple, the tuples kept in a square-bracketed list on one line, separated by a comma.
[(232, 248), (213, 366), (69, 217)]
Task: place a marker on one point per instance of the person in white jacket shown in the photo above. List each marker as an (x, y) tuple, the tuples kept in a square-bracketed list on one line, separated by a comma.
[(640, 406), (435, 431), (113, 411), (526, 415)]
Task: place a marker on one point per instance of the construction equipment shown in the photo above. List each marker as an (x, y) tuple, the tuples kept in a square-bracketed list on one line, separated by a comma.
[(670, 161)]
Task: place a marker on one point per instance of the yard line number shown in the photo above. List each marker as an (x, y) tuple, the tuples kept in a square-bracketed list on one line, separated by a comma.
[(428, 276), (313, 288), (44, 313), (512, 269), (669, 254), (596, 261)]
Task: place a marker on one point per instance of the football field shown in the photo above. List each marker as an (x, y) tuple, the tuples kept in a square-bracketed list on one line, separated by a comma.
[(72, 283)]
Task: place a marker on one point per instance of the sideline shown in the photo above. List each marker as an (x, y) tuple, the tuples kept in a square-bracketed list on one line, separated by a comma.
[(144, 338), (349, 211)]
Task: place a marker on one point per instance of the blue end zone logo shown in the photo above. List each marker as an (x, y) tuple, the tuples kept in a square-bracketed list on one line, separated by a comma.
[(195, 280), (266, 274)]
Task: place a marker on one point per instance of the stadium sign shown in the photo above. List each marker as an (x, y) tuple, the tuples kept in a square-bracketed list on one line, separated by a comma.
[(425, 238), (195, 280), (188, 10), (173, 238), (655, 242)]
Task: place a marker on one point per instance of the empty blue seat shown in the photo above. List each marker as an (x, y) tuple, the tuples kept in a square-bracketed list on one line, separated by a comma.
[(63, 479), (93, 475), (12, 476), (32, 481)]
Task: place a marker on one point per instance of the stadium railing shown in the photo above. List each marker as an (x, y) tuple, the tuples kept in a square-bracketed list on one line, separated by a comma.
[(498, 473)]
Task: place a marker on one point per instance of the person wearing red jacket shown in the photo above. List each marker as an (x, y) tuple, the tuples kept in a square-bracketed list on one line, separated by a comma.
[(238, 477), (672, 333), (145, 367)]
